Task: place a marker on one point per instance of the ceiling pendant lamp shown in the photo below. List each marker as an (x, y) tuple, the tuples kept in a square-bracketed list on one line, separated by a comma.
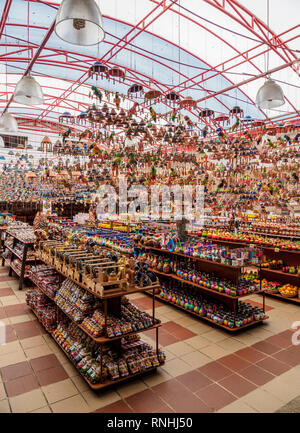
[(79, 22), (28, 91), (8, 123), (270, 95)]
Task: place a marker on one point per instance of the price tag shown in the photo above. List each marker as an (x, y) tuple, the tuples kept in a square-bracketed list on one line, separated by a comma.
[(251, 245), (276, 250)]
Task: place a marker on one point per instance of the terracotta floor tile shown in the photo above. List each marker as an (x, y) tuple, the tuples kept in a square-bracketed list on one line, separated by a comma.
[(256, 375), (289, 356), (51, 375), (117, 407), (146, 401), (44, 362), (6, 278), (237, 385), (183, 334), (21, 385), (287, 335), (15, 310), (250, 354), (165, 339), (273, 366), (16, 370), (27, 329), (194, 380), (279, 341), (6, 291), (233, 362), (215, 371), (179, 397), (215, 397), (266, 347)]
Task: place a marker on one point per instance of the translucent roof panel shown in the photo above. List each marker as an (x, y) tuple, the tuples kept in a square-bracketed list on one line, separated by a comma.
[(198, 48)]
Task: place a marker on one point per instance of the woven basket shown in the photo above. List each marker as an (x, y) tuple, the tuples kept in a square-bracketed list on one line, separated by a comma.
[(288, 296)]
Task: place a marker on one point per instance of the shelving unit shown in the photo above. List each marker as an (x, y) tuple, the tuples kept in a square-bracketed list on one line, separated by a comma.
[(222, 270), (111, 305), (21, 274)]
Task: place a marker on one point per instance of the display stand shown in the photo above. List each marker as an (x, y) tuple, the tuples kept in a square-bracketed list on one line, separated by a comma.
[(112, 305), (222, 270), (21, 274)]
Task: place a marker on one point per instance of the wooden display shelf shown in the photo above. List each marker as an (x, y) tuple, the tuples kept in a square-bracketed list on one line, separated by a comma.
[(223, 265), (108, 382), (207, 319), (101, 339), (281, 277), (19, 239), (237, 244), (113, 293), (16, 271), (221, 269), (204, 289), (283, 298), (271, 235), (17, 255)]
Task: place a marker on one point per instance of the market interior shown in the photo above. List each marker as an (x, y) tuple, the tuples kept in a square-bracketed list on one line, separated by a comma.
[(149, 180)]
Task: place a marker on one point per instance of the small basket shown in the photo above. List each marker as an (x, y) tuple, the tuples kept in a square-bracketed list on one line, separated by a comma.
[(285, 295)]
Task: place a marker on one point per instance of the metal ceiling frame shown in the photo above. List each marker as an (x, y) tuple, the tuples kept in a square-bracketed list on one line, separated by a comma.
[(232, 8)]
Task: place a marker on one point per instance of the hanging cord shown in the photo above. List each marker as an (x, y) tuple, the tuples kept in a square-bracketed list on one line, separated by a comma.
[(268, 24)]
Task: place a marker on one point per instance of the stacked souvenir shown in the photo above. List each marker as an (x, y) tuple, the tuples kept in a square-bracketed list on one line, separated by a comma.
[(131, 320), (191, 300), (46, 278), (86, 355), (74, 301), (44, 308)]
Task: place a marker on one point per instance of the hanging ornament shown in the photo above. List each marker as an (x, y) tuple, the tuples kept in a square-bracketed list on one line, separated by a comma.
[(116, 72), (236, 111), (66, 117), (222, 118), (117, 100), (173, 98), (135, 90), (207, 113), (188, 102), (152, 96), (98, 69)]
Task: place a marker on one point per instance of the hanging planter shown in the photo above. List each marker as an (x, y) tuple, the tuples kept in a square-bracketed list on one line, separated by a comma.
[(116, 73), (188, 102), (98, 69)]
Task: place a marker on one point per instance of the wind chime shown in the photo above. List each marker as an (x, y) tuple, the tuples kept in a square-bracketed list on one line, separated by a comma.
[(172, 98), (237, 113), (98, 70), (135, 90), (66, 117), (116, 73)]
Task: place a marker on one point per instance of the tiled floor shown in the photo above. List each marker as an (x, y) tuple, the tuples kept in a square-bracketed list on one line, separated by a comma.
[(207, 370)]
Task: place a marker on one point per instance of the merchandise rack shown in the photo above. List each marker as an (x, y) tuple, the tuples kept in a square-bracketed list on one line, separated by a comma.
[(21, 274), (222, 270), (112, 305), (100, 340)]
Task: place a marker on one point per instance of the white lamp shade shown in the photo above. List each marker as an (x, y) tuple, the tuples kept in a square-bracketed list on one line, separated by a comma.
[(270, 95), (8, 123), (79, 22), (28, 92)]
